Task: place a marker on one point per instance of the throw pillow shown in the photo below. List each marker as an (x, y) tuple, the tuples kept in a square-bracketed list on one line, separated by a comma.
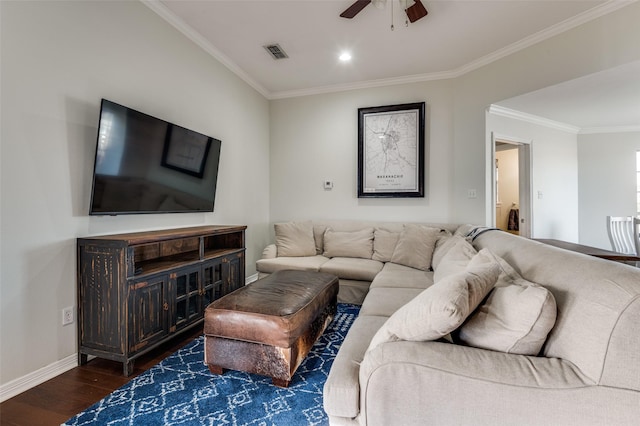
[(348, 244), (441, 308), (443, 245), (384, 243), (516, 317), (295, 239), (455, 259), (415, 246)]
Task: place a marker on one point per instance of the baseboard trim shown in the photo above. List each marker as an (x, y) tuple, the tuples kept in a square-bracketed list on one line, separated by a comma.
[(26, 382)]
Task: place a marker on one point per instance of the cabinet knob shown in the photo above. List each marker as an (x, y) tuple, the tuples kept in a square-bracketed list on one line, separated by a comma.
[(165, 306)]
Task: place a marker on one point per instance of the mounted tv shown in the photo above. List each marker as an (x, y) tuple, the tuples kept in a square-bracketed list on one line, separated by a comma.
[(147, 165)]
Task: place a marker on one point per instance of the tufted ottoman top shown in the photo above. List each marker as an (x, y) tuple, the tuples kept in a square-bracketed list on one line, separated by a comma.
[(274, 310)]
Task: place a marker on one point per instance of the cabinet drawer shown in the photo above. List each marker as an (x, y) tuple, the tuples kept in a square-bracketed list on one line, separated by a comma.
[(182, 245), (146, 252)]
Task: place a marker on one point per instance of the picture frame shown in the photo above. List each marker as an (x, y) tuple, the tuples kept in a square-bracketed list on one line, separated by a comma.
[(391, 151), (185, 151)]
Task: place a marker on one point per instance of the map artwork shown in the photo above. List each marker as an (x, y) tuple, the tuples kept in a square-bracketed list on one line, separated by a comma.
[(391, 152)]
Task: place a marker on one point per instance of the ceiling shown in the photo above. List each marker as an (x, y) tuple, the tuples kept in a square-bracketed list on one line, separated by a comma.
[(454, 38), (597, 103)]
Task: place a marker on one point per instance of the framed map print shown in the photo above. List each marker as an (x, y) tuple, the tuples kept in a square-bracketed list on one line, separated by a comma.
[(391, 151)]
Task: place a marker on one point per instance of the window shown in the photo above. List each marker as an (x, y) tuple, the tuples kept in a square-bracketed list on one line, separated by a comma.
[(638, 182)]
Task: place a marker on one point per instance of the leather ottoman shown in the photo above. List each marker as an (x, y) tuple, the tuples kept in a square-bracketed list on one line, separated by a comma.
[(268, 327)]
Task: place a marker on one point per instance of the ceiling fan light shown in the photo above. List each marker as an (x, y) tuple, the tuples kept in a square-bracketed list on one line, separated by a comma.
[(379, 3)]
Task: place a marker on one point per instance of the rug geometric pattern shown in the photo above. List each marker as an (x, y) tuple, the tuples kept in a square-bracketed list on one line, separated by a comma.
[(180, 390)]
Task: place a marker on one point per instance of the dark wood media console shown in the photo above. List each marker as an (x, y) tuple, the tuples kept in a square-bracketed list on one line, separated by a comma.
[(137, 290)]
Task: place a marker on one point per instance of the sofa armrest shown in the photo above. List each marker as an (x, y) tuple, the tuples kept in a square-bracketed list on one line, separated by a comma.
[(443, 383), (270, 252)]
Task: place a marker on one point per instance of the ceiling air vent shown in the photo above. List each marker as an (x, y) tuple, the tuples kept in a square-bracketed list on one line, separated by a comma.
[(276, 51)]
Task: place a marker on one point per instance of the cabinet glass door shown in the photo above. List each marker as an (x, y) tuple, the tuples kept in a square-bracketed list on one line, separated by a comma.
[(187, 306), (213, 282)]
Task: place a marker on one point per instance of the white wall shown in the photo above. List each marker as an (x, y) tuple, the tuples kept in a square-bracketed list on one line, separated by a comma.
[(58, 60), (607, 182), (315, 138)]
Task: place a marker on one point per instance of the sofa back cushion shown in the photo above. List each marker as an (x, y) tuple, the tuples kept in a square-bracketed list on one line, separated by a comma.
[(455, 259), (597, 302), (348, 243), (319, 226), (415, 246), (515, 318), (295, 239), (384, 243)]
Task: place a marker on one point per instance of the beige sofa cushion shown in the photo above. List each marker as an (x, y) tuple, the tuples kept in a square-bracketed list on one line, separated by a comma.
[(306, 263), (415, 246), (351, 268), (516, 317), (384, 243), (455, 259), (348, 244), (400, 276), (441, 308), (341, 393), (384, 301), (443, 245), (295, 239)]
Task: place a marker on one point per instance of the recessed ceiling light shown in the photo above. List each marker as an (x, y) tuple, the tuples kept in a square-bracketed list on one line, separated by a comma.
[(345, 56)]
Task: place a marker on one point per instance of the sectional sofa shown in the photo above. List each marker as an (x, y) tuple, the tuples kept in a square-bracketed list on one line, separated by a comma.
[(468, 325)]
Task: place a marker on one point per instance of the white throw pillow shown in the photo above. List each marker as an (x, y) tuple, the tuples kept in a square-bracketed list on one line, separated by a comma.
[(441, 308), (348, 244), (295, 239), (415, 246), (516, 317)]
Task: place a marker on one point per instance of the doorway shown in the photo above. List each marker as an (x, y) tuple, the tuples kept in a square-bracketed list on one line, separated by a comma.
[(512, 185)]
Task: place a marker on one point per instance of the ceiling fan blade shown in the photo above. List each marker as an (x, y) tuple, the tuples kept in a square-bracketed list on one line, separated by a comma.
[(355, 8), (416, 11)]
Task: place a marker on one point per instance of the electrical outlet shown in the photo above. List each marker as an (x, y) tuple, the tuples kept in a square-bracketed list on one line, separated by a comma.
[(67, 315), (472, 193)]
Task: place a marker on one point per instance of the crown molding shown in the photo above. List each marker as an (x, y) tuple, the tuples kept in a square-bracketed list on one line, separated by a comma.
[(587, 16), (360, 85), (533, 119), (197, 38), (611, 129)]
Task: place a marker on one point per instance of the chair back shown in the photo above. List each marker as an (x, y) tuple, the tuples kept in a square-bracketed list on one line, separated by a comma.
[(622, 234)]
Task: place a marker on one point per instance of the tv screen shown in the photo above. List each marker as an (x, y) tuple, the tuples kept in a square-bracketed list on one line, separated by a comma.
[(147, 165)]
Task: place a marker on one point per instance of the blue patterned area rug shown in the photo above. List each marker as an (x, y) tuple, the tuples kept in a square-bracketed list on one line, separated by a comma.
[(180, 390)]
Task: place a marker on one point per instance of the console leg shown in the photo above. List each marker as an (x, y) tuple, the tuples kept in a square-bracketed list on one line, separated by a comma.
[(82, 358), (127, 368)]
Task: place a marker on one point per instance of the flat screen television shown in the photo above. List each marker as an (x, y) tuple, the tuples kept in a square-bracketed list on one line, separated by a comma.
[(147, 165)]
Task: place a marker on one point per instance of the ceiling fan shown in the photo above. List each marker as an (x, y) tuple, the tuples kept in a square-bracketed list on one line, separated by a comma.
[(414, 12)]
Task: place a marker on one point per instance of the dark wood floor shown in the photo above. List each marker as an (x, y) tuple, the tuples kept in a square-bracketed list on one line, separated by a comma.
[(64, 396)]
